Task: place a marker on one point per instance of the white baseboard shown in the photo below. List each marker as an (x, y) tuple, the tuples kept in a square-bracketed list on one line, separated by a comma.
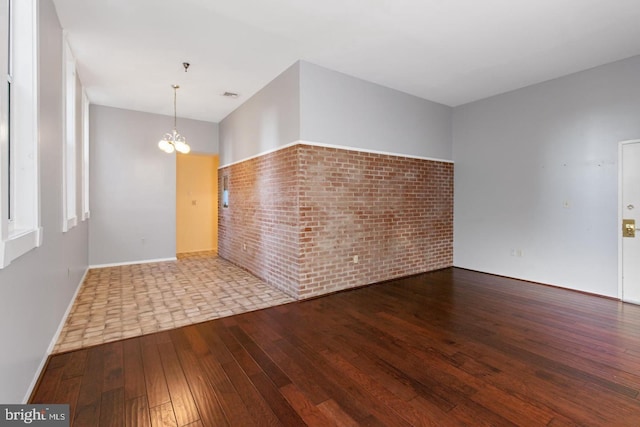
[(144, 261), (198, 251), (54, 340)]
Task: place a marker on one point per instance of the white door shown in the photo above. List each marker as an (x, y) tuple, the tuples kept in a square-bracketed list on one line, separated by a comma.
[(630, 195)]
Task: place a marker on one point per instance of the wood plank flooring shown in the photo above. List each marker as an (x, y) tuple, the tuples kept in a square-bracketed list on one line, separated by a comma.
[(447, 348)]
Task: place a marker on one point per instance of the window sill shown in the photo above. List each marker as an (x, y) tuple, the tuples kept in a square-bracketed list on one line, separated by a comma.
[(19, 244), (69, 224)]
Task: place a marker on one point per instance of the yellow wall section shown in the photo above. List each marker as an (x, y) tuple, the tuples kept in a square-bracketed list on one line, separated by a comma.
[(196, 203)]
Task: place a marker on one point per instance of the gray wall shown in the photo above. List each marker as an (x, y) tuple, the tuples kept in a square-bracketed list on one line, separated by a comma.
[(536, 172), (314, 104), (133, 183), (36, 289), (268, 120), (342, 110)]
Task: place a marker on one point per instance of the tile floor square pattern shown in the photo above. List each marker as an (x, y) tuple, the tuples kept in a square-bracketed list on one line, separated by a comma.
[(127, 301)]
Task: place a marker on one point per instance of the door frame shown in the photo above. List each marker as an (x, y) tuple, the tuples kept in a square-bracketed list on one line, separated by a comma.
[(621, 144)]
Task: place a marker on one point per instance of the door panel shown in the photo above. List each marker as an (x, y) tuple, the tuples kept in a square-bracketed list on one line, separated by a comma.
[(630, 214), (196, 203)]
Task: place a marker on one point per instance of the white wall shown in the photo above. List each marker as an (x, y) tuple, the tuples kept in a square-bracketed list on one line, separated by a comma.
[(37, 288), (133, 183), (536, 171), (342, 110), (268, 120)]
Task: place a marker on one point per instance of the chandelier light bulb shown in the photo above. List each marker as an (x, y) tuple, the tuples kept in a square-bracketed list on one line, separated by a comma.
[(166, 144), (163, 144), (181, 147)]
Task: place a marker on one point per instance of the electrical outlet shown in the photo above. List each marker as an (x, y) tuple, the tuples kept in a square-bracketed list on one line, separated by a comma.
[(355, 259), (244, 247)]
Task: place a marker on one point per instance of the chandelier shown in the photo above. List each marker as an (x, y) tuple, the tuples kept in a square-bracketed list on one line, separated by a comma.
[(173, 141)]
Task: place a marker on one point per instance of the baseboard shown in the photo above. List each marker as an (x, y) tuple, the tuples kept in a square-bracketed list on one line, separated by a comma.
[(198, 251), (535, 282), (54, 340), (120, 264)]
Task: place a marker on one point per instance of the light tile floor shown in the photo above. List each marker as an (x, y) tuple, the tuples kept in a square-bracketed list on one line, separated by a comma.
[(128, 301)]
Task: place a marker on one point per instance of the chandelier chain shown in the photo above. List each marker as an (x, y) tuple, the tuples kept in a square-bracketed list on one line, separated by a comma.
[(175, 108)]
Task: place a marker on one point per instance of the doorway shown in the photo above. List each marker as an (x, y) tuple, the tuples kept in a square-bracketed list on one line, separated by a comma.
[(629, 221), (196, 203)]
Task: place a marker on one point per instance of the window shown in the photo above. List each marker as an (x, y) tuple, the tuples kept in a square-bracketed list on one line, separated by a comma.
[(85, 156), (69, 163), (225, 191), (7, 79), (19, 184)]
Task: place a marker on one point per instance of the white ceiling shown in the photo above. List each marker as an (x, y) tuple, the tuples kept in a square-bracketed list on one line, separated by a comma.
[(129, 52)]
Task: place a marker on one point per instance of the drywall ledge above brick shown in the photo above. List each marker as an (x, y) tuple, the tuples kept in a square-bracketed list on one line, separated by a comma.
[(339, 147)]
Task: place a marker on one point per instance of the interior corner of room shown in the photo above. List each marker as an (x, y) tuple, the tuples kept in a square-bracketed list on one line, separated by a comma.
[(320, 181)]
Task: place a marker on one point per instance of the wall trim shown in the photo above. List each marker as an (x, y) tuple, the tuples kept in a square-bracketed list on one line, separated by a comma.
[(535, 282), (67, 312), (197, 251), (339, 147), (144, 261), (54, 340)]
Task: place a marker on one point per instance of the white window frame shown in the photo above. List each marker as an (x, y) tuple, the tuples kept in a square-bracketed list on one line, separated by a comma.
[(20, 229), (86, 213), (69, 160)]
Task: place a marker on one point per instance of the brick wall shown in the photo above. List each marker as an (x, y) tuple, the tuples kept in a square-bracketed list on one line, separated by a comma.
[(394, 213), (259, 229), (306, 211)]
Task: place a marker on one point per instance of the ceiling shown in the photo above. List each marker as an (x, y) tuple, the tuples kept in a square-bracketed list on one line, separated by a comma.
[(130, 52)]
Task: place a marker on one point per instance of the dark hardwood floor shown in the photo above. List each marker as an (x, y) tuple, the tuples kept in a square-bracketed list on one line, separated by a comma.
[(451, 347)]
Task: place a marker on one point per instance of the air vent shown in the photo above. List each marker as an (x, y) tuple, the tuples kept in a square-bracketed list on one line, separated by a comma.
[(230, 94)]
